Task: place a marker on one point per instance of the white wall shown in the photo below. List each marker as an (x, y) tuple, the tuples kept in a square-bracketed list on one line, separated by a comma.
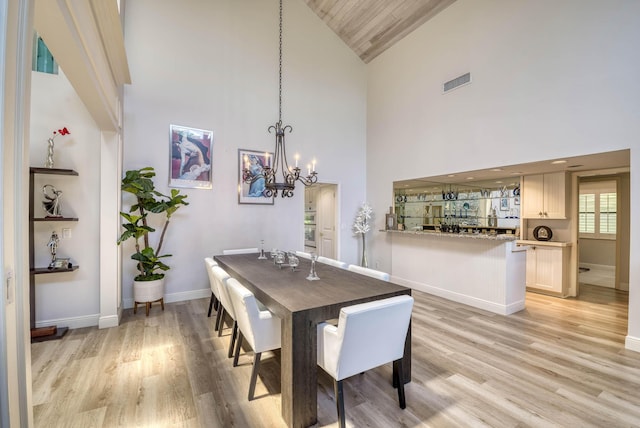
[(550, 79), (213, 65), (66, 299)]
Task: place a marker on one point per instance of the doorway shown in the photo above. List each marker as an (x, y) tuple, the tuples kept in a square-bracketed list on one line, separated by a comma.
[(603, 231), (320, 220)]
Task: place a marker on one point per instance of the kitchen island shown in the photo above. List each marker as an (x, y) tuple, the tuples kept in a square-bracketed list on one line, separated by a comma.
[(485, 271)]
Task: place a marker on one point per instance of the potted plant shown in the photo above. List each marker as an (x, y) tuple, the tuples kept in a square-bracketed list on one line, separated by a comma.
[(148, 285)]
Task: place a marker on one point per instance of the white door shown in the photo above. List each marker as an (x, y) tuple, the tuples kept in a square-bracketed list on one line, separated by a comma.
[(15, 354), (326, 220)]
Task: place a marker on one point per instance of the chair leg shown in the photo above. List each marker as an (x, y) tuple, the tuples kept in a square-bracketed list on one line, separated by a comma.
[(234, 334), (238, 346), (337, 388), (218, 316), (221, 322), (254, 374), (211, 304), (399, 381)]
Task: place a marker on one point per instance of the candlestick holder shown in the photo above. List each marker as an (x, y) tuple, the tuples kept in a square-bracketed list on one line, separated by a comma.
[(262, 255), (313, 276)]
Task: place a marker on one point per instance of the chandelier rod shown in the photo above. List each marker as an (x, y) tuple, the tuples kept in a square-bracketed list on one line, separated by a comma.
[(280, 69)]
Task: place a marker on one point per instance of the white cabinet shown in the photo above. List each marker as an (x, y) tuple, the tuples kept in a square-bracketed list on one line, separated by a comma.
[(545, 196), (548, 269)]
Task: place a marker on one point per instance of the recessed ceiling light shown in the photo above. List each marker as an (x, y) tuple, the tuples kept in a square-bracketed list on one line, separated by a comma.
[(406, 185), (498, 182), (516, 173), (558, 161), (469, 178), (451, 175), (496, 169)]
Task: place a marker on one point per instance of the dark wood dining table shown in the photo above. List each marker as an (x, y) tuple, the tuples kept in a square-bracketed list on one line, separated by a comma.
[(302, 304)]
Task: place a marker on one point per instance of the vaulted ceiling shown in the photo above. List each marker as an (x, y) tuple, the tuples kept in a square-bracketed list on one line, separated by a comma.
[(369, 27)]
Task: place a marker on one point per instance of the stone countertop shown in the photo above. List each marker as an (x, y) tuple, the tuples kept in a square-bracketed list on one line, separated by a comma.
[(500, 237)]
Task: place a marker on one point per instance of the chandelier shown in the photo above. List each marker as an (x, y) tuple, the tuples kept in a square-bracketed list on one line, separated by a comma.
[(280, 168)]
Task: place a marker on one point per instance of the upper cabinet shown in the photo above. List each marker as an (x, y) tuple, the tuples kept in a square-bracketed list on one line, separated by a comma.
[(545, 196)]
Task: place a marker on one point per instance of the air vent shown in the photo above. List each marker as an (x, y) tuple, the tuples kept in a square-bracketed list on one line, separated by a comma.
[(456, 83)]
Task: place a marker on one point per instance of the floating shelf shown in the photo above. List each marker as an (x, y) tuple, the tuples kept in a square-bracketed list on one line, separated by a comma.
[(55, 219), (53, 171), (43, 270)]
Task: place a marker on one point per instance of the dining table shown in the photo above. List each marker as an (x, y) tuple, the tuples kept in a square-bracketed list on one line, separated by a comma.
[(301, 304)]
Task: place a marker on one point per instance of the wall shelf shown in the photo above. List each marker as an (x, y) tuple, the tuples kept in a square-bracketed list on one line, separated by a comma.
[(41, 334)]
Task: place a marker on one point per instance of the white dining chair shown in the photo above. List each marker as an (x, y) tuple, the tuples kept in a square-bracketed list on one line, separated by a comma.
[(303, 254), (369, 272), (214, 303), (260, 328), (332, 262), (368, 335), (222, 277), (240, 251)]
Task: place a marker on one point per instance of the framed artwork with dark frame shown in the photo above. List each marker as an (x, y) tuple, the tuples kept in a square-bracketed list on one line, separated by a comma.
[(251, 183), (190, 165)]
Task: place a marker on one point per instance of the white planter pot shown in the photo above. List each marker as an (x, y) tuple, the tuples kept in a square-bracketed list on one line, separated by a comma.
[(148, 291)]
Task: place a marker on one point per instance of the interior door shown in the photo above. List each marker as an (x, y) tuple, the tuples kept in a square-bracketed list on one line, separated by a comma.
[(326, 221)]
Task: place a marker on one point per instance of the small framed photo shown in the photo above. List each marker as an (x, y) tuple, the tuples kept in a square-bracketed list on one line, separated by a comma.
[(504, 204), (516, 200), (190, 157), (251, 182), (62, 263)]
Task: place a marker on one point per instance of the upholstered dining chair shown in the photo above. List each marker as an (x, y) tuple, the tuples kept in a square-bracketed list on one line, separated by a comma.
[(260, 328), (332, 262), (221, 276), (240, 251), (215, 298), (369, 272), (368, 335)]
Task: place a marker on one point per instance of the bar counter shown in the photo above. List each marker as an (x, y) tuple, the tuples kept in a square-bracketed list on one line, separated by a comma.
[(483, 271)]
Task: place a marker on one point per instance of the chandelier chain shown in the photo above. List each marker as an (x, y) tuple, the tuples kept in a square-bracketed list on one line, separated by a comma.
[(280, 69)]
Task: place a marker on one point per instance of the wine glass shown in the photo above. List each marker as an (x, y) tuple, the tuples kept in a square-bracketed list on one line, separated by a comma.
[(278, 259), (293, 261)]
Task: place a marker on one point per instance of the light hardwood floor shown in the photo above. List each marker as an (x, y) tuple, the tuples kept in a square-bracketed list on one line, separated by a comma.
[(560, 362)]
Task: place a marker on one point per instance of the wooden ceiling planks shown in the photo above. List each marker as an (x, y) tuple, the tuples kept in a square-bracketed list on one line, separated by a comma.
[(369, 27)]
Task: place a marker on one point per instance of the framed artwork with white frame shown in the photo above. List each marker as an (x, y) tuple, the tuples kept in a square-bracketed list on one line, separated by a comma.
[(190, 164)]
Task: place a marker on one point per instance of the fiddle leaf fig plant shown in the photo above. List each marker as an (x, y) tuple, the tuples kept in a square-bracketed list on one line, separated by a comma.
[(148, 201)]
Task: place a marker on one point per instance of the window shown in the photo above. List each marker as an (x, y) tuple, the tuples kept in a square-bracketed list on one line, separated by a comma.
[(597, 210), (42, 58)]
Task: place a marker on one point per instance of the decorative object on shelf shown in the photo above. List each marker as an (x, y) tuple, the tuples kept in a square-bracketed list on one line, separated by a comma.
[(280, 164), (361, 226), (190, 157), (49, 162), (252, 183), (53, 248), (51, 204), (150, 267), (504, 204), (391, 221), (62, 263), (542, 233)]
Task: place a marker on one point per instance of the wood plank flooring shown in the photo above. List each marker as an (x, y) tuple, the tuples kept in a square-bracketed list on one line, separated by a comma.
[(560, 362)]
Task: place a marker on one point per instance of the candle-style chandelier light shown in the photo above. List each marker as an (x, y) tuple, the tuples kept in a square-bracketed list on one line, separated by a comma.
[(270, 173)]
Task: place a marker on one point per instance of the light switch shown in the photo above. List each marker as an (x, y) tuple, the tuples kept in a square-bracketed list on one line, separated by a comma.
[(66, 233)]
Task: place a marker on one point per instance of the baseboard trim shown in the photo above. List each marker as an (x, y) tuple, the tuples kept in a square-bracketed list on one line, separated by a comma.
[(632, 343), (73, 322), (109, 321), (496, 308), (175, 297)]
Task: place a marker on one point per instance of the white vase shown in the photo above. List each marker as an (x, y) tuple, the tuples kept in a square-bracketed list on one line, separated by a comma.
[(148, 291)]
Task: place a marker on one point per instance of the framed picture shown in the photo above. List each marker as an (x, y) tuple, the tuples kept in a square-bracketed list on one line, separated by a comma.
[(61, 263), (251, 189), (516, 200), (504, 204), (190, 157)]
